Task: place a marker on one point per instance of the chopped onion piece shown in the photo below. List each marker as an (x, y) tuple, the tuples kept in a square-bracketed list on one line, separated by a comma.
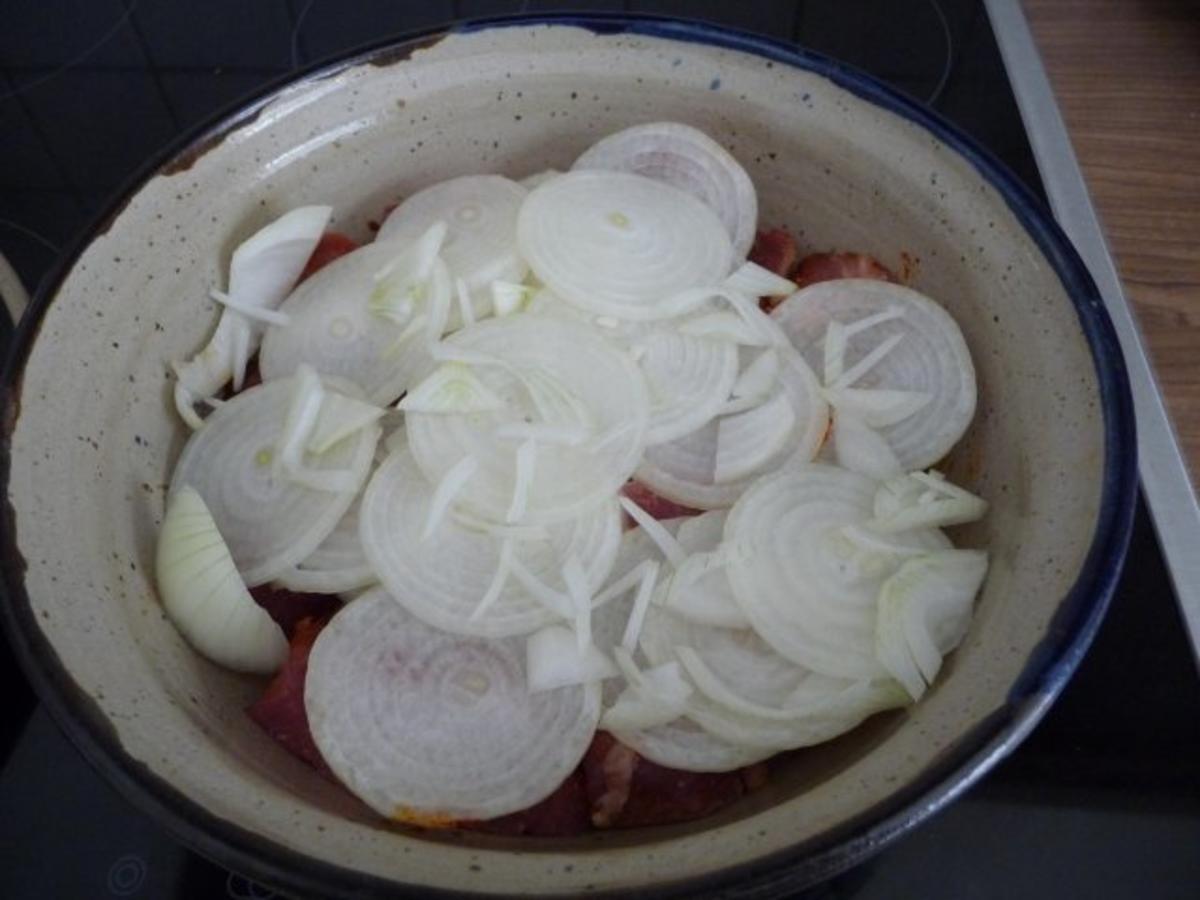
[(627, 581), (924, 500), (555, 659), (924, 611), (699, 590), (509, 298), (447, 489), (254, 313), (758, 378), (407, 278), (496, 586), (526, 461), (835, 351), (437, 308), (753, 280), (261, 272), (553, 600), (654, 697), (452, 388), (581, 599), (877, 407), (868, 362), (300, 421), (205, 597), (641, 602), (748, 441), (339, 417), (466, 309), (654, 529), (480, 212), (862, 449)]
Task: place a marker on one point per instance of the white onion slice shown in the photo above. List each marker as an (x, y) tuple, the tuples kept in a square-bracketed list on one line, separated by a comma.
[(480, 212), (684, 470), (261, 272), (450, 388), (758, 378), (526, 461), (204, 596), (406, 280), (337, 566), (877, 408), (932, 358), (425, 726), (728, 327), (442, 579), (831, 707), (688, 379), (553, 372), (622, 245), (753, 280), (445, 491), (748, 441), (924, 611), (654, 697), (699, 590), (808, 590), (340, 416), (738, 657), (554, 659), (537, 179), (683, 744), (333, 329), (509, 298), (860, 448), (465, 307), (924, 500), (251, 312), (690, 160), (667, 545), (270, 521)]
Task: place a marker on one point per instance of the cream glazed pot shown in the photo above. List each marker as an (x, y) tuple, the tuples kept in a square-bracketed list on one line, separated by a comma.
[(91, 436)]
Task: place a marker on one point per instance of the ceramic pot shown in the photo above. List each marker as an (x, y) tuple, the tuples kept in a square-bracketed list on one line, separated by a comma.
[(91, 436)]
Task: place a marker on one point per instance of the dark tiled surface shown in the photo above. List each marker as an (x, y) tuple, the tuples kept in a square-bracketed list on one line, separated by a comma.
[(1103, 800)]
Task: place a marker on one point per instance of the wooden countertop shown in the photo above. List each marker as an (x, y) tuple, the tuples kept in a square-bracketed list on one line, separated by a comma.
[(1126, 74)]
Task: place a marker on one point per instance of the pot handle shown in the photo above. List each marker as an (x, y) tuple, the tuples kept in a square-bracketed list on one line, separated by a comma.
[(15, 296)]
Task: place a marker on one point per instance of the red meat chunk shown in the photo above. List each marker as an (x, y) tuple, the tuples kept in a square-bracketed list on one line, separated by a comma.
[(775, 250), (627, 791), (333, 244), (288, 608), (652, 503), (280, 710)]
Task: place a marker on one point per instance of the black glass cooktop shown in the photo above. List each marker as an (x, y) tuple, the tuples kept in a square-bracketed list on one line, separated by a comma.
[(1102, 801)]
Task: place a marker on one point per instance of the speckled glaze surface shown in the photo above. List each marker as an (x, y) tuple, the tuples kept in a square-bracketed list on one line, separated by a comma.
[(93, 438)]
